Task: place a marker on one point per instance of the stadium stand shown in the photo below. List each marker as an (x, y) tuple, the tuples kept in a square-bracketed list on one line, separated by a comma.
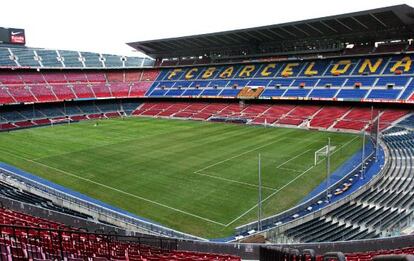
[(12, 57), (25, 57), (11, 192), (92, 59), (374, 78), (24, 237), (113, 61), (5, 60), (13, 118), (53, 86), (307, 80), (326, 117)]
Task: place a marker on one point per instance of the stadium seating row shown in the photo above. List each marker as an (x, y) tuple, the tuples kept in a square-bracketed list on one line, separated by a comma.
[(308, 80), (11, 192), (53, 241), (305, 116), (43, 58), (378, 78), (58, 113), (309, 116), (58, 86)]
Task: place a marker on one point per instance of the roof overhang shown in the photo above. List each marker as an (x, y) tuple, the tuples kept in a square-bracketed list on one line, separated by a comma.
[(394, 22)]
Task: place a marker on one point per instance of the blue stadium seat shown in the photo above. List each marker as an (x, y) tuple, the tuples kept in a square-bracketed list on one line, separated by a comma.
[(296, 93), (92, 59), (71, 59), (183, 84), (218, 83), (309, 82), (49, 58), (113, 61), (384, 94), (133, 62), (192, 92), (272, 92), (408, 91), (363, 80), (259, 82), (352, 94), (174, 92), (167, 84), (323, 93), (396, 80), (285, 82), (5, 59), (239, 83), (25, 57), (210, 92), (230, 92), (200, 83), (333, 81)]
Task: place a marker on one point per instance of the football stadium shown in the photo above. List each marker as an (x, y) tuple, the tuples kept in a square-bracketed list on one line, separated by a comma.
[(292, 141)]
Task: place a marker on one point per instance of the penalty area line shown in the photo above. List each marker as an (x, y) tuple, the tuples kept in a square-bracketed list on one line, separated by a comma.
[(289, 160), (115, 189), (232, 180)]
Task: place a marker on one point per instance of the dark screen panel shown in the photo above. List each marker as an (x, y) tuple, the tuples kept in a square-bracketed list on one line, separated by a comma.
[(4, 35)]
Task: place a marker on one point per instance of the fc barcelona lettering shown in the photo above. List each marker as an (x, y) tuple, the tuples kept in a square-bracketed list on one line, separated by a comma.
[(374, 66)]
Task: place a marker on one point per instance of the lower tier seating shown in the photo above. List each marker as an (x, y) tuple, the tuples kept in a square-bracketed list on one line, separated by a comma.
[(306, 116), (321, 117), (25, 237), (11, 192), (39, 115)]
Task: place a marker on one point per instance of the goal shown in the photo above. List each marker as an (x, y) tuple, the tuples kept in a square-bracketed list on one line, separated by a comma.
[(59, 121), (323, 152)]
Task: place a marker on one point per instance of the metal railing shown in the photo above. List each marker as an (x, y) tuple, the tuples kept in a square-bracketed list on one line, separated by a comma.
[(94, 209)]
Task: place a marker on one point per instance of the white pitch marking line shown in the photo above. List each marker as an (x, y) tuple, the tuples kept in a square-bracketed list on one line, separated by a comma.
[(297, 156), (288, 169), (234, 181), (117, 190), (271, 195), (238, 155)]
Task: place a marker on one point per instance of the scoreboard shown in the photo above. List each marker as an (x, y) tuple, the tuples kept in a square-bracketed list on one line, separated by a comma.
[(12, 36)]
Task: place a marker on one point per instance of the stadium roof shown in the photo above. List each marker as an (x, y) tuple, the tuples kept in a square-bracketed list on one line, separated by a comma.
[(394, 22)]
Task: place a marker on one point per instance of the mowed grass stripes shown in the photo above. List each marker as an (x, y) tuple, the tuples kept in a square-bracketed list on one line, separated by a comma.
[(197, 177)]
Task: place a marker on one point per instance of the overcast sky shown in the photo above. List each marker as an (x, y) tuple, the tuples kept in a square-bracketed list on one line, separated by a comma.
[(105, 26)]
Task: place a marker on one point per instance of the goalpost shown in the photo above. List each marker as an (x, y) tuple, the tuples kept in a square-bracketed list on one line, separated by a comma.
[(323, 152), (59, 121), (326, 152)]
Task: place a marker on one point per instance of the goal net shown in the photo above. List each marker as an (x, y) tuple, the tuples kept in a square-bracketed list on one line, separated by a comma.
[(59, 121), (322, 153)]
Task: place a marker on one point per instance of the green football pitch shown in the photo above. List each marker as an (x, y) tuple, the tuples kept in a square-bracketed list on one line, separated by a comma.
[(196, 177)]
